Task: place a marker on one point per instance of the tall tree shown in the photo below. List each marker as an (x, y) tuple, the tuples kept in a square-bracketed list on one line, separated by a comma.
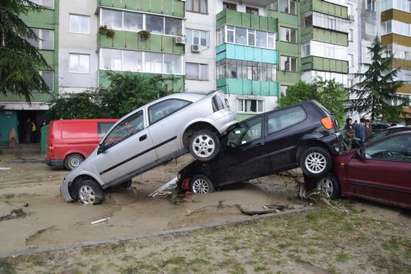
[(329, 93), (375, 93), (19, 60)]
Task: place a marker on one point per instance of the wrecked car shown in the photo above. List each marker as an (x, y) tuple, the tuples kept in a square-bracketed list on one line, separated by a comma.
[(147, 137), (379, 171), (303, 135)]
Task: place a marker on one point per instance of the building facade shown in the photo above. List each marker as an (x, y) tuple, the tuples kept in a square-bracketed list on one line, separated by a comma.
[(252, 50)]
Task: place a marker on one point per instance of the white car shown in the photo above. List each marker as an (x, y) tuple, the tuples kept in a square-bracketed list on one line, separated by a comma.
[(150, 136)]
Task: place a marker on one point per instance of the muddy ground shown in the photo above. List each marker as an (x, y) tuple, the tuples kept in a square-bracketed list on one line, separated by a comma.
[(47, 221)]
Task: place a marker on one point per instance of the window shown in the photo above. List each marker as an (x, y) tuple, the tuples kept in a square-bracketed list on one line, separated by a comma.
[(261, 39), (200, 6), (288, 63), (172, 64), (197, 37), (173, 26), (288, 35), (245, 132), (103, 128), (250, 105), (79, 23), (153, 62), (48, 77), (229, 6), (308, 20), (79, 63), (155, 23), (195, 71), (370, 5), (133, 21), (241, 36), (230, 34), (248, 37), (305, 50), (397, 148), (111, 18), (238, 69), (251, 37), (44, 3), (285, 118), (132, 61), (165, 108), (287, 6), (126, 128), (251, 10), (45, 39)]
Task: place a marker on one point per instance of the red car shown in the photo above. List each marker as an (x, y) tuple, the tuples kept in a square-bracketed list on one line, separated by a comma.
[(71, 141), (379, 171)]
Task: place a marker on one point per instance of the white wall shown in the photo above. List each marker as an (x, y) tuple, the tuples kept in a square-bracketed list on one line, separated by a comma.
[(269, 102)]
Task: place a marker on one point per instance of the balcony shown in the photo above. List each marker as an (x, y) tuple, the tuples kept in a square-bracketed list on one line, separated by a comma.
[(246, 53), (248, 87), (245, 20), (169, 7), (324, 64)]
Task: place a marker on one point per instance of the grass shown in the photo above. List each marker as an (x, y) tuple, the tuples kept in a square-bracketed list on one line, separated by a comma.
[(6, 267)]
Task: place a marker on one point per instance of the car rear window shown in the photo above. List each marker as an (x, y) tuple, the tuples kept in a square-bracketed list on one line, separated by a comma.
[(103, 127), (285, 118), (217, 103), (165, 108)]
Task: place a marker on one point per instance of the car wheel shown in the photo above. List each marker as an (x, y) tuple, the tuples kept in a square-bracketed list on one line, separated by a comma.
[(200, 184), (89, 192), (72, 161), (329, 186), (204, 145), (315, 162)]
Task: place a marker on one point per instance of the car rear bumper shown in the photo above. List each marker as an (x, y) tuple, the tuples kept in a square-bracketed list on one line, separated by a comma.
[(64, 190), (334, 143), (55, 163)]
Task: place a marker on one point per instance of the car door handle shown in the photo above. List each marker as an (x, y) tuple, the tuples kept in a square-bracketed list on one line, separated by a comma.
[(142, 137)]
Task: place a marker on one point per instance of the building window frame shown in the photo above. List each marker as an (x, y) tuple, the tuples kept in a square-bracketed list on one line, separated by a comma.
[(192, 34), (196, 6), (79, 56), (78, 16), (290, 64), (242, 105), (270, 37), (201, 72)]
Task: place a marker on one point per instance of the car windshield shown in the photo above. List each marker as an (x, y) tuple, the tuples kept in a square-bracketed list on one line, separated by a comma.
[(244, 133)]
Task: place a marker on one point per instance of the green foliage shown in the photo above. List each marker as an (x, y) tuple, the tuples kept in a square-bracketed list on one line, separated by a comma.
[(329, 93), (376, 90), (19, 60), (125, 93)]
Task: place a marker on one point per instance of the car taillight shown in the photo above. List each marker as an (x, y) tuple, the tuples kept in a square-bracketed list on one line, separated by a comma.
[(327, 122), (186, 184)]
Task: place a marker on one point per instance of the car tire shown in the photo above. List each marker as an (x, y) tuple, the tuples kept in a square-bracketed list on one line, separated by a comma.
[(204, 145), (201, 184), (73, 160), (330, 186), (315, 162), (89, 192)]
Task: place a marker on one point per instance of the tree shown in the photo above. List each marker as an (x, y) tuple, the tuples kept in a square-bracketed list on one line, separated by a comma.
[(128, 91), (75, 106), (375, 93), (329, 93), (19, 60)]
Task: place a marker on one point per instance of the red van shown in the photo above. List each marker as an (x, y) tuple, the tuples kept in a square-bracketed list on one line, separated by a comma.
[(71, 141)]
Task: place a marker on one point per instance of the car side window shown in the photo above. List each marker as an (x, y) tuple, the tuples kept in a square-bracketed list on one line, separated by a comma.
[(284, 118), (397, 148), (125, 129), (245, 132), (103, 128), (165, 108)]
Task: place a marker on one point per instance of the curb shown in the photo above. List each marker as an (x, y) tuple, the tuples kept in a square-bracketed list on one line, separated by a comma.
[(33, 250)]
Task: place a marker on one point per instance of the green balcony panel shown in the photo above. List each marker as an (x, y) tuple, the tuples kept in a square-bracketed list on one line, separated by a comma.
[(324, 64), (245, 20), (288, 78), (245, 53), (324, 7), (288, 49), (167, 7), (132, 41), (248, 87), (175, 83), (323, 35), (287, 20), (49, 56), (43, 18)]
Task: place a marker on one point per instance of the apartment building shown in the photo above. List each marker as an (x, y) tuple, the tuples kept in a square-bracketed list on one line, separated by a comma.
[(252, 50)]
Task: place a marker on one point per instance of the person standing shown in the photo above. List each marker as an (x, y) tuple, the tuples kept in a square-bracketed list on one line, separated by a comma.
[(368, 129), (360, 132), (348, 133)]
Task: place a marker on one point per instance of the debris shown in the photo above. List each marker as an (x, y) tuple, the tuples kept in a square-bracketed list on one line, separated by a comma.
[(266, 210), (14, 214), (5, 168), (103, 220), (26, 205), (165, 189)]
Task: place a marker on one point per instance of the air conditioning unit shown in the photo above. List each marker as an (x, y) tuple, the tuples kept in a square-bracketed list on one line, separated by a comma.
[(195, 48), (180, 40)]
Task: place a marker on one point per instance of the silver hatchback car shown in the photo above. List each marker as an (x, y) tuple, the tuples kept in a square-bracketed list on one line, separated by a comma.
[(147, 137)]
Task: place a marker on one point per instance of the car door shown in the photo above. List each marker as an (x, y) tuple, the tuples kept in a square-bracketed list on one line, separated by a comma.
[(243, 158), (126, 149), (167, 119), (284, 130), (385, 173)]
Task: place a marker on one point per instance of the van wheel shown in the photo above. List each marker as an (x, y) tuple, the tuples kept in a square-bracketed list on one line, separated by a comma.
[(204, 145), (72, 161), (200, 184), (329, 186), (315, 162), (89, 192)]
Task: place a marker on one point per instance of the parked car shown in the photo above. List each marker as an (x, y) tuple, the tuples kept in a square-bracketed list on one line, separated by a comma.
[(379, 171), (147, 137), (71, 141), (302, 135)]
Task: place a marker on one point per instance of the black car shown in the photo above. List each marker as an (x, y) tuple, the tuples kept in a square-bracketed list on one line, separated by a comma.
[(302, 135)]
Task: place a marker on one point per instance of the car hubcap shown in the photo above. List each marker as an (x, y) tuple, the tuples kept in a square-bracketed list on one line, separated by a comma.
[(315, 162), (203, 146), (200, 186), (74, 162), (87, 195), (326, 186)]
